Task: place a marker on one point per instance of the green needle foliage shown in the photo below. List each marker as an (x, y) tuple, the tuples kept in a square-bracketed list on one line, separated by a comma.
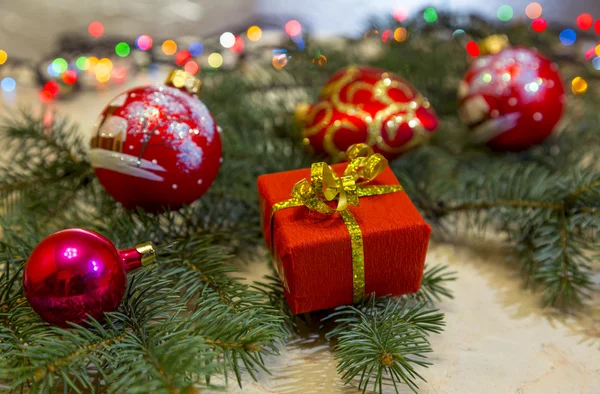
[(189, 319), (383, 341)]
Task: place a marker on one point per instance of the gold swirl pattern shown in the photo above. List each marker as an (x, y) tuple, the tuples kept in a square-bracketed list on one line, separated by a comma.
[(332, 98), (325, 186)]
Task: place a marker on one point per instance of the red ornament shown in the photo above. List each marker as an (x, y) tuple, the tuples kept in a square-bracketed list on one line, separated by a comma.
[(76, 272), (157, 146), (511, 99), (368, 105)]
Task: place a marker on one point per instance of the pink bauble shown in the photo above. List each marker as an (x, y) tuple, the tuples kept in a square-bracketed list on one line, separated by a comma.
[(76, 272)]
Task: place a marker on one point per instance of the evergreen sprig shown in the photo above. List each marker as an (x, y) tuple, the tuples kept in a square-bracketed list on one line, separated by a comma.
[(383, 341)]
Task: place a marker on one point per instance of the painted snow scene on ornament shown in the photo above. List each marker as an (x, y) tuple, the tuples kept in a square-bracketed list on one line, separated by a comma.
[(497, 75), (139, 122), (511, 91)]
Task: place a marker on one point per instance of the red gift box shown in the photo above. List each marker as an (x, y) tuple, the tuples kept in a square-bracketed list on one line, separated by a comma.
[(313, 251)]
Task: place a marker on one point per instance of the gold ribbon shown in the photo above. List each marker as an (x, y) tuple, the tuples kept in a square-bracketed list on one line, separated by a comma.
[(324, 185)]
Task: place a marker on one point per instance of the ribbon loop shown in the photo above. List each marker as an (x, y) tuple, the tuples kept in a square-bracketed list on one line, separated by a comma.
[(326, 186)]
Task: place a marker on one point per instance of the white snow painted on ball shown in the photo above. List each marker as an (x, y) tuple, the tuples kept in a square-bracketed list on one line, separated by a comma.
[(113, 126), (494, 127), (125, 164), (189, 155), (492, 78), (179, 130), (119, 100), (199, 112), (474, 109)]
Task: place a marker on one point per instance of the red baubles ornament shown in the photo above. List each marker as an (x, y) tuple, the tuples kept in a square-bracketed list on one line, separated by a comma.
[(366, 105), (157, 146), (511, 99), (76, 272)]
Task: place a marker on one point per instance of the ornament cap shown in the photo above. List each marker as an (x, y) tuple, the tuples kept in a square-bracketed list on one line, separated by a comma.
[(148, 253), (493, 44), (184, 80), (140, 256)]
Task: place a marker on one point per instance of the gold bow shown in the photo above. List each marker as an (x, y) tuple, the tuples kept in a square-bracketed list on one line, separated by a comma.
[(324, 186)]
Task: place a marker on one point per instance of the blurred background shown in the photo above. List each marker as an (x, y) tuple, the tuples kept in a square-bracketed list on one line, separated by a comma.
[(30, 28), (51, 49)]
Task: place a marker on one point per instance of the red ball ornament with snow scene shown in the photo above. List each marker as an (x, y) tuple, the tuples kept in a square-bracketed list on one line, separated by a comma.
[(512, 99), (366, 105), (157, 147)]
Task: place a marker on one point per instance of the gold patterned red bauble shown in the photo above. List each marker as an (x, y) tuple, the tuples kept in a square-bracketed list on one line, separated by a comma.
[(366, 105)]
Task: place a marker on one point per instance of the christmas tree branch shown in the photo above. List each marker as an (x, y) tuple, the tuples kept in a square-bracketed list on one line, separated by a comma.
[(434, 284), (383, 341)]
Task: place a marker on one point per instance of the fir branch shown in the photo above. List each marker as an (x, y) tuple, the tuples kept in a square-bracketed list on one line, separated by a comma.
[(383, 341), (433, 285), (45, 168)]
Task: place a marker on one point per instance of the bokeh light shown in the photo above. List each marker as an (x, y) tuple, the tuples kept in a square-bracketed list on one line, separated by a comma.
[(59, 65), (238, 46), (215, 60), (584, 21), (596, 63), (45, 96), (533, 10), (590, 54), (254, 33), (567, 37), (105, 62), (430, 15), (196, 49), (191, 67), (400, 14), (227, 40), (182, 56), (143, 42), (3, 56), (119, 73), (96, 29), (279, 61), (69, 77), (51, 72), (122, 49), (319, 59), (539, 25), (51, 87), (8, 84), (169, 47), (371, 34), (91, 62), (598, 49), (579, 85), (386, 35), (505, 13), (103, 69), (597, 26), (81, 63), (102, 73), (293, 28), (472, 48), (457, 33), (300, 45), (400, 34)]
